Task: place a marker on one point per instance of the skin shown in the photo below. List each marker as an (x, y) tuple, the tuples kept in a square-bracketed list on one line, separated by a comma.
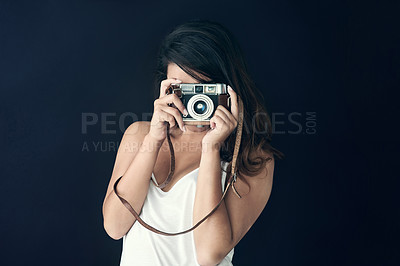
[(144, 150)]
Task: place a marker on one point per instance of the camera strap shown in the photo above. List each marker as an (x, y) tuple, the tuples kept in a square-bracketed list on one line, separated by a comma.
[(231, 180)]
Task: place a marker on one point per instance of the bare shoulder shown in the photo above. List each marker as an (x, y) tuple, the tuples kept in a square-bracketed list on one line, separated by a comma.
[(255, 192), (129, 145), (133, 137), (268, 171), (261, 182), (138, 129), (127, 150)]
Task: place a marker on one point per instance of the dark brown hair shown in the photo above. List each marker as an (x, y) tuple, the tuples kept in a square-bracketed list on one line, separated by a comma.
[(209, 49)]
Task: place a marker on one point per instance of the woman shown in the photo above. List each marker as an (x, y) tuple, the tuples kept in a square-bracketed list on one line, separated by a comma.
[(195, 52)]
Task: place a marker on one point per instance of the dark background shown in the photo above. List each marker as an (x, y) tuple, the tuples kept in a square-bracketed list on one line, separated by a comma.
[(334, 199)]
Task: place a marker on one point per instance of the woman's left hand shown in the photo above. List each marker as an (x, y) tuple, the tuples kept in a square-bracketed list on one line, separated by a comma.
[(223, 122)]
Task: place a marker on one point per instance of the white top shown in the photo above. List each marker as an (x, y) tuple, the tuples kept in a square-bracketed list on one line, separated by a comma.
[(170, 212)]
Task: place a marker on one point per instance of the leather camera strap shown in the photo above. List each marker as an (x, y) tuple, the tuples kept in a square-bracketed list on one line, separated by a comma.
[(231, 181)]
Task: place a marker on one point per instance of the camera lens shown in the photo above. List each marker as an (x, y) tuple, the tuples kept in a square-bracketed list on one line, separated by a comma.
[(200, 107)]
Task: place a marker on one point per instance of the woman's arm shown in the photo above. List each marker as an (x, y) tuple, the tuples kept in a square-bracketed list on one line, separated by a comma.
[(216, 231), (217, 235), (135, 160)]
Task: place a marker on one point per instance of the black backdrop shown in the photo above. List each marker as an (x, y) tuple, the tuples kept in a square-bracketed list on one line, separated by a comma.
[(326, 69)]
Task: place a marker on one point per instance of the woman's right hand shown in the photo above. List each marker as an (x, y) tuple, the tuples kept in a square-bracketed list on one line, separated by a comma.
[(163, 113)]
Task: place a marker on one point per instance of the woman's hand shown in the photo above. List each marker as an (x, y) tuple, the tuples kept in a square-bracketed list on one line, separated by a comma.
[(164, 113), (222, 123)]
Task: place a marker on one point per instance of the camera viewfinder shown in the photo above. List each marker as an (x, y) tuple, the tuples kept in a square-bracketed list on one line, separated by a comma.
[(198, 89), (210, 89)]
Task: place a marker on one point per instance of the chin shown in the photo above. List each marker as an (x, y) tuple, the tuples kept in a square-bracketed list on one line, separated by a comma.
[(197, 128)]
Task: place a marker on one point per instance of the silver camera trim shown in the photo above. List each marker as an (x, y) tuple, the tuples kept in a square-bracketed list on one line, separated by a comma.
[(220, 88), (209, 105)]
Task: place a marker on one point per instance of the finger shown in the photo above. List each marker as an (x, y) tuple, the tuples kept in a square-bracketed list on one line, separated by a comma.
[(229, 115), (216, 122), (166, 117), (177, 116), (173, 98), (234, 102), (213, 123), (222, 114), (165, 84)]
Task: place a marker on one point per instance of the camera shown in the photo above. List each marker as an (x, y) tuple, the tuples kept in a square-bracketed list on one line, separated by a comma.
[(201, 100)]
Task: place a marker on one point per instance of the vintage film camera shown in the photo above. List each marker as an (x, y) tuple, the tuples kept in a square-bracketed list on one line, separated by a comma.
[(201, 100)]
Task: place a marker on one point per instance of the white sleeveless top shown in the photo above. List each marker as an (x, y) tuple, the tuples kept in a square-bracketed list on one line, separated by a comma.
[(170, 211)]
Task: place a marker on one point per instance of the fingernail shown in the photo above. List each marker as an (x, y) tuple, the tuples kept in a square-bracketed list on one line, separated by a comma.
[(230, 88), (177, 80), (184, 129), (185, 113)]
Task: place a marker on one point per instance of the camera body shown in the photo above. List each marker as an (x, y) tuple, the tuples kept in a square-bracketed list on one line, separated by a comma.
[(201, 100)]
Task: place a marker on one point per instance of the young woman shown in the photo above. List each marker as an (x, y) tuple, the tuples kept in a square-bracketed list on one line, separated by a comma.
[(195, 52)]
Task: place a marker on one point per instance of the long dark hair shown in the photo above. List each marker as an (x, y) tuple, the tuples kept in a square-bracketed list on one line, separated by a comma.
[(208, 48)]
